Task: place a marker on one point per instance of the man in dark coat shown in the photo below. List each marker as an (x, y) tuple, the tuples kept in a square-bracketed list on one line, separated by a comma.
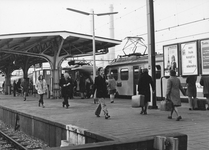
[(66, 86), (145, 80), (192, 91), (100, 86)]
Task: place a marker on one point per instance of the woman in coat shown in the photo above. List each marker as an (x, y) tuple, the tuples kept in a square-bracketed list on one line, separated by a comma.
[(41, 87), (145, 80), (66, 89), (192, 91), (173, 93), (100, 86)]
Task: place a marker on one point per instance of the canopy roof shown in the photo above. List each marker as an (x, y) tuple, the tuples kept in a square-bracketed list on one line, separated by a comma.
[(34, 46)]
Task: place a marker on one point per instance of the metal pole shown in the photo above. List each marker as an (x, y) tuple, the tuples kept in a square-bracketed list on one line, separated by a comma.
[(151, 46), (94, 47)]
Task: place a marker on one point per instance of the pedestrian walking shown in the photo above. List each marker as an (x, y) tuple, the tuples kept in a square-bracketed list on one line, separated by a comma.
[(25, 86), (100, 86), (41, 87), (111, 85), (88, 87), (66, 86), (82, 87), (144, 83), (19, 90), (14, 88), (60, 84), (204, 81), (173, 93), (191, 91)]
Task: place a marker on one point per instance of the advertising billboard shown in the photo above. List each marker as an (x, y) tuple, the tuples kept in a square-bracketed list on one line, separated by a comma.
[(205, 56), (189, 64), (170, 58)]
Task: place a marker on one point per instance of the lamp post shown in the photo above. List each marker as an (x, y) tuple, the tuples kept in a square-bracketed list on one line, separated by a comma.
[(93, 34)]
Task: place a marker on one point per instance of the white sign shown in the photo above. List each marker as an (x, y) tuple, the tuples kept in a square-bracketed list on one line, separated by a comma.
[(170, 59), (189, 58), (205, 56)]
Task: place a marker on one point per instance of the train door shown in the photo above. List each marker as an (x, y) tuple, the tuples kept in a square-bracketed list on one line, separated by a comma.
[(135, 79)]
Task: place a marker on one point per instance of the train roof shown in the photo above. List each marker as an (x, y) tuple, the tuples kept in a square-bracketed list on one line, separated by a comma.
[(133, 58)]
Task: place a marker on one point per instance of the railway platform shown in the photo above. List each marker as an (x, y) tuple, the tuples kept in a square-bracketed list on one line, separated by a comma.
[(125, 122)]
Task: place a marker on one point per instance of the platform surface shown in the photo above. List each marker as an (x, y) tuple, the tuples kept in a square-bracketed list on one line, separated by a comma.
[(125, 122)]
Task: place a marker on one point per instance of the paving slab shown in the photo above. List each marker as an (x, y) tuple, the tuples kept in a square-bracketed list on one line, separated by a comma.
[(125, 122)]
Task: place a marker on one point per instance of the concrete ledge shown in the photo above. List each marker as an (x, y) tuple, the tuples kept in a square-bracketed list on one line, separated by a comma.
[(50, 132), (146, 142)]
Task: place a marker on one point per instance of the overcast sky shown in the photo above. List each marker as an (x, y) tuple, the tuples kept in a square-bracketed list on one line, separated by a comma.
[(175, 20)]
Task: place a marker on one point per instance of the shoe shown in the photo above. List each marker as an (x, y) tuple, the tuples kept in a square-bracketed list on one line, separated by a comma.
[(107, 116), (190, 108), (98, 115), (178, 118), (112, 102), (141, 112), (43, 106), (63, 104), (169, 117), (24, 99), (145, 113), (67, 106)]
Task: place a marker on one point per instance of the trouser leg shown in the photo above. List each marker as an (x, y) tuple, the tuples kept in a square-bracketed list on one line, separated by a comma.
[(41, 101), (104, 106), (66, 100), (195, 103), (190, 102)]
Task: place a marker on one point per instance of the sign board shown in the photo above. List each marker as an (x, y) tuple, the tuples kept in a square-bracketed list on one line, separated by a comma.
[(205, 56), (170, 58), (189, 64)]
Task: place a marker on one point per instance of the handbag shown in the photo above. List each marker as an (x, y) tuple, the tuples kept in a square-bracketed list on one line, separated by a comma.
[(166, 105)]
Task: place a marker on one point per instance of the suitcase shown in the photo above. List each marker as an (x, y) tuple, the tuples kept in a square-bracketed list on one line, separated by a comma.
[(98, 110), (137, 101), (166, 105), (201, 104)]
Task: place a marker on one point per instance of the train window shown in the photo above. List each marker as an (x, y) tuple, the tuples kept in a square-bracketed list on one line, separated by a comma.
[(124, 74), (115, 73), (158, 72), (136, 73)]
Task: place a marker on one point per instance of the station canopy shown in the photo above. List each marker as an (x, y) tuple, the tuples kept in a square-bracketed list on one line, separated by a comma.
[(36, 46)]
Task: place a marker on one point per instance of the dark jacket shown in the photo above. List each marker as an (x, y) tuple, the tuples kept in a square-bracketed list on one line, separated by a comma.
[(66, 90), (144, 82), (101, 86), (191, 86)]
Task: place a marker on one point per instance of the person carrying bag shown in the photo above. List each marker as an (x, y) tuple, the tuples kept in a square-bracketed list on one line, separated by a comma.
[(101, 92)]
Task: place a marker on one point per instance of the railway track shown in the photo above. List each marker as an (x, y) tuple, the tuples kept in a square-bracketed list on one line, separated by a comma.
[(11, 142)]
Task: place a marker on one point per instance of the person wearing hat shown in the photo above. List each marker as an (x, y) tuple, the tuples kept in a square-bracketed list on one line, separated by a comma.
[(144, 82), (173, 93)]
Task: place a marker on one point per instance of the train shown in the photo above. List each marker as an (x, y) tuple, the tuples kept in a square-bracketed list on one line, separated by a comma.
[(125, 70)]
